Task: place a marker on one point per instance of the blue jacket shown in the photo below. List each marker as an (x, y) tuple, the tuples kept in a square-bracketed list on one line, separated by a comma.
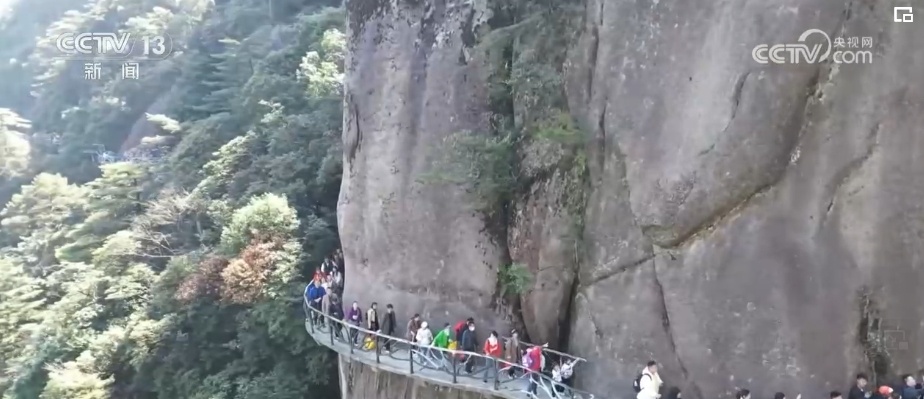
[(313, 292)]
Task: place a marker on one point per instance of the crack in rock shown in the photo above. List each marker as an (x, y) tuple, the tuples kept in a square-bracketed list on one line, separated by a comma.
[(849, 171), (669, 332), (736, 99), (620, 269)]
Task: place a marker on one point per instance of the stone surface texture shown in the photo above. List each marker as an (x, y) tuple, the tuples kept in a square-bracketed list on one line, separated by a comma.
[(735, 210)]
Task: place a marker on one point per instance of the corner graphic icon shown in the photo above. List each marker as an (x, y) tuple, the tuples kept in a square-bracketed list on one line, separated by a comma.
[(903, 14)]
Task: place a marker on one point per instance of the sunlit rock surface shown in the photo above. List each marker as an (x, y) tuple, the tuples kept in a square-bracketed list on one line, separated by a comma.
[(739, 214)]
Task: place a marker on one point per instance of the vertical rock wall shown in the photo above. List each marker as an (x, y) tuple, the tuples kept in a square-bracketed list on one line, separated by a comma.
[(745, 224), (421, 247), (738, 210)]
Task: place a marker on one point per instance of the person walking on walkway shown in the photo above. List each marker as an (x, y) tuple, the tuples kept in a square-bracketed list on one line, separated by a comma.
[(372, 317), (746, 394), (512, 351), (567, 371), (909, 391), (441, 341), (532, 360), (469, 343), (424, 339), (858, 390), (412, 326), (833, 395), (325, 303), (355, 318), (493, 350), (460, 329), (389, 325), (649, 382), (336, 313)]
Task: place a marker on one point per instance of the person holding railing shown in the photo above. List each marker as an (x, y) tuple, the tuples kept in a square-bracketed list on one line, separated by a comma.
[(442, 340), (424, 339), (372, 323), (412, 326), (355, 318), (532, 360), (493, 350), (567, 371)]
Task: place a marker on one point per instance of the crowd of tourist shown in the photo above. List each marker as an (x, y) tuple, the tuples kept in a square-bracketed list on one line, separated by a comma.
[(324, 295), (648, 385)]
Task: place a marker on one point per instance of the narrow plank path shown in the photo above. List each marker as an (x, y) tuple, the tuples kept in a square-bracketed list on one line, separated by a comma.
[(437, 366)]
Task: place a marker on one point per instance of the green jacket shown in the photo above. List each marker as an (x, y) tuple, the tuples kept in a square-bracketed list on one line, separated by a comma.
[(442, 339)]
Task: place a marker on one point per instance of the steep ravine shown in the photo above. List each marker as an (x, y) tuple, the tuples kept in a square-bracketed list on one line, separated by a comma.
[(732, 217)]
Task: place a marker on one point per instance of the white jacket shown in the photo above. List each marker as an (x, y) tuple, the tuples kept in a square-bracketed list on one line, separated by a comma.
[(424, 336), (650, 384)]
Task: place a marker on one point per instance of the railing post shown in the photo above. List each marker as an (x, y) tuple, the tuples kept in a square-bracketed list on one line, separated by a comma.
[(331, 332), (410, 358), (311, 318), (351, 338), (455, 369), (496, 372), (378, 351)]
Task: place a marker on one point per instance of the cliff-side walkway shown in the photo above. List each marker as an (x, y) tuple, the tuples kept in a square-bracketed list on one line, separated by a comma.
[(455, 369)]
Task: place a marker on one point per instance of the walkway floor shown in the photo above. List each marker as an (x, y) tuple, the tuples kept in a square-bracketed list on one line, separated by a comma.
[(399, 362)]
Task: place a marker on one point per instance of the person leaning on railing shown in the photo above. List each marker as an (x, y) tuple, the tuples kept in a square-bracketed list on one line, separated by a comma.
[(412, 326)]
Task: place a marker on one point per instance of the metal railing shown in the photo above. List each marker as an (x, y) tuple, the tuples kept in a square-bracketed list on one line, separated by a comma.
[(429, 361)]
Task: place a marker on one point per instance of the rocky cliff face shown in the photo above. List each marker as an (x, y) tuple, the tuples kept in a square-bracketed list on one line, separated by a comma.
[(358, 381), (747, 225)]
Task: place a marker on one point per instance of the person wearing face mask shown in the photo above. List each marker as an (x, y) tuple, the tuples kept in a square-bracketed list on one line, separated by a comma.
[(469, 344), (493, 350)]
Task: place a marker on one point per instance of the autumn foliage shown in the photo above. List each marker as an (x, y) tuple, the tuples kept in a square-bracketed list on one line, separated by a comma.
[(246, 276), (205, 282)]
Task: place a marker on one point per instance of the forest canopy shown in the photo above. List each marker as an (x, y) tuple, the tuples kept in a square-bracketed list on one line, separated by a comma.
[(156, 233)]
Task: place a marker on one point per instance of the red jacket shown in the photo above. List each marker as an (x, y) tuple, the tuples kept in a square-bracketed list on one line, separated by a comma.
[(492, 350), (535, 355)]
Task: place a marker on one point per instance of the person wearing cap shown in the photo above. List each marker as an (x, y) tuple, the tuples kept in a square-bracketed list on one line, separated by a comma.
[(884, 392), (512, 351), (858, 390), (424, 339)]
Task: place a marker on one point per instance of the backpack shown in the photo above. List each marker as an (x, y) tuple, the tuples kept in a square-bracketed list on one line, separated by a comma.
[(459, 329), (528, 360), (637, 384)]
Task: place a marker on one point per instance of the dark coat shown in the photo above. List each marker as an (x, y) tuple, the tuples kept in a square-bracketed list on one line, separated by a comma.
[(469, 341), (389, 324)]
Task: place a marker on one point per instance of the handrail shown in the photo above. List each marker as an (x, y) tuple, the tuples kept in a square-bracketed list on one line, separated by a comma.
[(575, 359), (425, 360)]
